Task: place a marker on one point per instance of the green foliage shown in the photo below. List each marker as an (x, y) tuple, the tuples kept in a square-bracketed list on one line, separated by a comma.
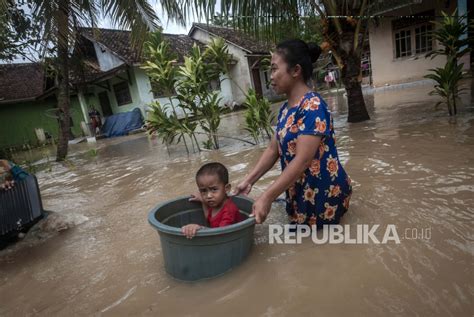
[(17, 30), (449, 32), (218, 58), (93, 153), (258, 116), (195, 77), (192, 82), (211, 117), (160, 67), (447, 87), (160, 124), (208, 144), (307, 28)]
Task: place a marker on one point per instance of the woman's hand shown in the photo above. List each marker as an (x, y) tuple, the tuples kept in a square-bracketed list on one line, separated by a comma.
[(196, 197), (261, 209), (243, 188), (190, 230)]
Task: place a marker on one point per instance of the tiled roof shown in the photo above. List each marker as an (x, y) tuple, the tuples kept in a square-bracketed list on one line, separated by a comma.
[(236, 37), (119, 42), (21, 81)]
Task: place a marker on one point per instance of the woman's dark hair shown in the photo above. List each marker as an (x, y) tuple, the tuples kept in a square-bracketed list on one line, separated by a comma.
[(214, 168), (297, 52)]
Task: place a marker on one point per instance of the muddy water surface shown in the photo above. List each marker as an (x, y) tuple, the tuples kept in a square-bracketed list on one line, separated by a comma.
[(411, 166)]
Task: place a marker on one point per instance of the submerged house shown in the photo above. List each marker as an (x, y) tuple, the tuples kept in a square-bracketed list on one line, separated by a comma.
[(400, 38), (110, 80)]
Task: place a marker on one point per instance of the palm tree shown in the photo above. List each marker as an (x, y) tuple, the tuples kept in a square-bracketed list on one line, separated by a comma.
[(59, 21), (345, 26)]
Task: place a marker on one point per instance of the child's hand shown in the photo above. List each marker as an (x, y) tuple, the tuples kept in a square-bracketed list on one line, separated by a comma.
[(196, 197), (190, 230)]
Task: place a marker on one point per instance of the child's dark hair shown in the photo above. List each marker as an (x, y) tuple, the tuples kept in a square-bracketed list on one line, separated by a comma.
[(214, 168), (297, 52)]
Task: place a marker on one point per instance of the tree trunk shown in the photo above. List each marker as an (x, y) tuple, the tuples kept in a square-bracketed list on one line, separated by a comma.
[(351, 73), (63, 81), (356, 103)]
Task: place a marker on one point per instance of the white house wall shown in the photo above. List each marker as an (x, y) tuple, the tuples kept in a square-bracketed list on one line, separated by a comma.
[(239, 72), (386, 69), (226, 94), (93, 100), (107, 60), (142, 97), (268, 92), (144, 86)]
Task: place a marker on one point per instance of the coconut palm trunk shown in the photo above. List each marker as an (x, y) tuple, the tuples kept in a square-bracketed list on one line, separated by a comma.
[(352, 82), (63, 80)]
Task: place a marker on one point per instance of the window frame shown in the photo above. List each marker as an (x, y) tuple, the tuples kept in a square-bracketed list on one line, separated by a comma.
[(125, 102), (405, 38), (414, 50), (428, 38)]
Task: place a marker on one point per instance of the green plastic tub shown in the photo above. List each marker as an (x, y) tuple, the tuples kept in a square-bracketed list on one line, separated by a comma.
[(213, 251)]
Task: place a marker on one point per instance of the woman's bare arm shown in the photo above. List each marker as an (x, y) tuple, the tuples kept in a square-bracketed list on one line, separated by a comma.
[(266, 162)]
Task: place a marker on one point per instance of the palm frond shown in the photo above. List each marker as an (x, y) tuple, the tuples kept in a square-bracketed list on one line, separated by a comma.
[(136, 15)]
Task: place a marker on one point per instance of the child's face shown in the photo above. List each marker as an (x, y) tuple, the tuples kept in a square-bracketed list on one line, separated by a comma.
[(213, 190)]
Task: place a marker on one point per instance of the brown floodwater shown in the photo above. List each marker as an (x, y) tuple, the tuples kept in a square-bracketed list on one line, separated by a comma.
[(411, 165)]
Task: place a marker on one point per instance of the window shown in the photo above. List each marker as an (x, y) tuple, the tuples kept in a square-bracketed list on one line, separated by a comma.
[(215, 85), (423, 40), (122, 93), (267, 79), (157, 92), (412, 34), (403, 43), (365, 63)]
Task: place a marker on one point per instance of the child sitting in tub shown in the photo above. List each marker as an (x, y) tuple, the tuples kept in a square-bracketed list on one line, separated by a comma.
[(212, 180)]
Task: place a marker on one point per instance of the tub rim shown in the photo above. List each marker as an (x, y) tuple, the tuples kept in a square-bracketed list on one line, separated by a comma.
[(160, 227)]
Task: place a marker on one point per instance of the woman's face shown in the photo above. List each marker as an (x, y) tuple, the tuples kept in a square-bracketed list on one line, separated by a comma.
[(282, 80)]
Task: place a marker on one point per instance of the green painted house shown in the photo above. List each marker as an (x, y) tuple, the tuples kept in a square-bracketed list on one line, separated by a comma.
[(109, 79), (26, 105)]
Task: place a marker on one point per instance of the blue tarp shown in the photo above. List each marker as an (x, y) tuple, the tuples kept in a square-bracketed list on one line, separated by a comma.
[(122, 123)]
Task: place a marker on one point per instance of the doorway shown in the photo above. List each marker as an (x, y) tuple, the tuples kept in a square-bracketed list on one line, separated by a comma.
[(105, 104)]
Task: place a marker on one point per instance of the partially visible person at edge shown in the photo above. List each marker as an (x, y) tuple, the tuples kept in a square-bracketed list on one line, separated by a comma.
[(9, 174), (317, 188)]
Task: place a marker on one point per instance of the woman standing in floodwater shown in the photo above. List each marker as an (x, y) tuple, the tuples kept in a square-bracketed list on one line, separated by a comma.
[(317, 188)]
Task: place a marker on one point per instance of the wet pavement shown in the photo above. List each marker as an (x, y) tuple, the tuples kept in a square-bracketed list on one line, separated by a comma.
[(411, 166)]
